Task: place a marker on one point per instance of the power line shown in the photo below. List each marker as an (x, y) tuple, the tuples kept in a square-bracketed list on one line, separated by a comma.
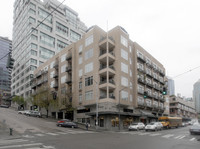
[(4, 56), (39, 24), (186, 72)]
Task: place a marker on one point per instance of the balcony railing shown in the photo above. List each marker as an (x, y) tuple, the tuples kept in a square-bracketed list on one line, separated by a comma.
[(69, 68)]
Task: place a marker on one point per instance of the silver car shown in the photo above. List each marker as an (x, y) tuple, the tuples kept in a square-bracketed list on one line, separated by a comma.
[(154, 126), (136, 126)]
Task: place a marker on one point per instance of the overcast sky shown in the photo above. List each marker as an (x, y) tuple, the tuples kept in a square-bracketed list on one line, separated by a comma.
[(168, 29)]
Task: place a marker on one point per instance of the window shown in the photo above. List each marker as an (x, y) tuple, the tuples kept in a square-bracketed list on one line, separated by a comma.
[(63, 57), (89, 40), (80, 72), (148, 102), (51, 65), (52, 74), (124, 67), (124, 81), (52, 84), (32, 20), (74, 36), (80, 85), (131, 85), (46, 53), (89, 67), (89, 95), (88, 54), (80, 60), (130, 61), (61, 29), (61, 45), (124, 54), (89, 81), (63, 68), (124, 41), (130, 49), (31, 11), (130, 73), (33, 61), (140, 100), (47, 40), (140, 66), (32, 5), (63, 79), (80, 98), (45, 27), (33, 52), (80, 49), (43, 14), (33, 46), (124, 95)]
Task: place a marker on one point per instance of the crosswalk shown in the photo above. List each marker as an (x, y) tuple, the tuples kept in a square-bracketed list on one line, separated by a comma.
[(162, 135), (25, 143), (22, 144), (68, 132)]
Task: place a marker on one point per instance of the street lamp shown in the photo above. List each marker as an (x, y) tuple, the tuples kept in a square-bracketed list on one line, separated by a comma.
[(119, 114), (96, 104)]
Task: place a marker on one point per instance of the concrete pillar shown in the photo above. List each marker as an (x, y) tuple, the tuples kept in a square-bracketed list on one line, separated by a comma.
[(63, 115)]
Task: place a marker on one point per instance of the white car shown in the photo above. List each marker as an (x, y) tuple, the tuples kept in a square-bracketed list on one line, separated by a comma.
[(154, 126), (23, 112), (136, 126)]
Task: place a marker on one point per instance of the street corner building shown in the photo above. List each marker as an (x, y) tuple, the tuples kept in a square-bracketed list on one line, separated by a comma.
[(104, 76)]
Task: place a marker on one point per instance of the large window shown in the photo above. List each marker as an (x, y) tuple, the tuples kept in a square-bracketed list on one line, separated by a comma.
[(61, 29), (45, 53), (61, 45), (63, 79), (89, 67), (63, 58), (124, 81), (124, 41), (124, 54), (43, 14), (88, 54), (80, 72), (74, 36), (124, 95), (47, 40), (89, 81), (89, 40), (45, 27), (80, 49), (124, 67), (89, 95), (80, 98), (80, 60), (63, 68)]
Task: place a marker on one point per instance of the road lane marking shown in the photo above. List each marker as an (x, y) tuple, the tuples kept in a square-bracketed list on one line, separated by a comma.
[(155, 134), (40, 135), (52, 134), (28, 136), (142, 134), (168, 135), (178, 137), (43, 147), (12, 141), (192, 139), (16, 146), (181, 137)]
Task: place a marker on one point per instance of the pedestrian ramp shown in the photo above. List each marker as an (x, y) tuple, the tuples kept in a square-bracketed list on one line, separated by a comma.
[(20, 143)]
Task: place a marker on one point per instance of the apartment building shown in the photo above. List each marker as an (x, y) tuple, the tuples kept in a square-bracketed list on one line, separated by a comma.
[(196, 96), (182, 108), (40, 30), (106, 76)]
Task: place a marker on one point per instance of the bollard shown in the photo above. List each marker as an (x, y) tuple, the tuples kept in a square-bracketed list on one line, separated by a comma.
[(11, 130)]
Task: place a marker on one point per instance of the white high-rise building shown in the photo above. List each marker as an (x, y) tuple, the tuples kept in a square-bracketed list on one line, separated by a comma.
[(35, 40), (196, 95)]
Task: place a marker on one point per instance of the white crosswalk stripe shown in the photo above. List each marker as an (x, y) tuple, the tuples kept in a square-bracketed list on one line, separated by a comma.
[(168, 135), (142, 134), (20, 145), (181, 137), (40, 135), (2, 142), (52, 134), (192, 139), (155, 134)]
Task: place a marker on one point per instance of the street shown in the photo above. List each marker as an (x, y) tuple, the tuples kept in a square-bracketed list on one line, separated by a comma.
[(37, 133)]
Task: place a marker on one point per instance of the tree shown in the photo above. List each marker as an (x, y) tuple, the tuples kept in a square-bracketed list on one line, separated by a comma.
[(19, 100), (44, 98)]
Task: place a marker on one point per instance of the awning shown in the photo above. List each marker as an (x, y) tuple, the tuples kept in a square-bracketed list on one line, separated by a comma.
[(147, 114), (112, 113)]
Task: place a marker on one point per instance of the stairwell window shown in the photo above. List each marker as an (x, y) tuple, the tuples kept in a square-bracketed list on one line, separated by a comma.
[(89, 95), (89, 40), (124, 41)]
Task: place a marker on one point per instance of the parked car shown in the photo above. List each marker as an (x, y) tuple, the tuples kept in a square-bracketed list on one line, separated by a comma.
[(69, 124), (136, 126), (4, 106), (154, 126), (21, 112), (60, 122), (34, 113), (195, 129)]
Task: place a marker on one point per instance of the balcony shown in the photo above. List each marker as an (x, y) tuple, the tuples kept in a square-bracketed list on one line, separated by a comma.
[(55, 66), (55, 75), (33, 85), (68, 81), (69, 57), (149, 84), (103, 42), (55, 85), (140, 70), (68, 69), (140, 91), (140, 80), (38, 74), (141, 58), (39, 82)]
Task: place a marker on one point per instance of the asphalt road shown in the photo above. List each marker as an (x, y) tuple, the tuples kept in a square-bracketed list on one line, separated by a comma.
[(36, 133)]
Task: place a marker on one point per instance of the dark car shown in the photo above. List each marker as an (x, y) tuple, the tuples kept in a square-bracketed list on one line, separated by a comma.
[(4, 106), (69, 124), (195, 129), (60, 122)]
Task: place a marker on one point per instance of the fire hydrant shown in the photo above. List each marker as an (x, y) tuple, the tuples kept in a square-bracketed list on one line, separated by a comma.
[(11, 131)]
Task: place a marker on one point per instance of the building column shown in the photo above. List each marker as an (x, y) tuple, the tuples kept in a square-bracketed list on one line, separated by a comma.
[(63, 115), (56, 115)]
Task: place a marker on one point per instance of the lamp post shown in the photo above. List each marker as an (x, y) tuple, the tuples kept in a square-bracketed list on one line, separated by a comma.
[(119, 114)]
